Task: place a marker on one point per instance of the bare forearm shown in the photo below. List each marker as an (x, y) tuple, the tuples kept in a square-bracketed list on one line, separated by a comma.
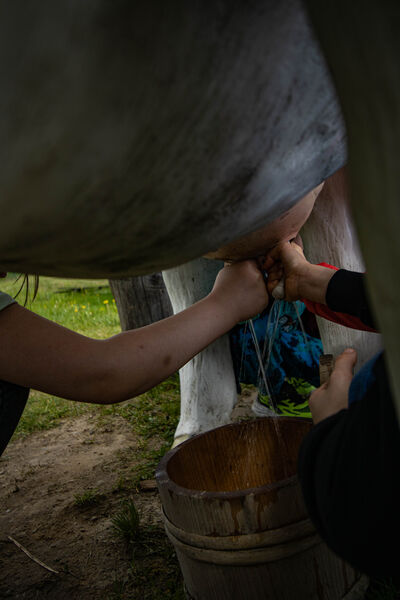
[(142, 358), (58, 361), (45, 356)]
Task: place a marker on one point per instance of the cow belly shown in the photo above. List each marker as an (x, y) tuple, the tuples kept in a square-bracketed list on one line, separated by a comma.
[(133, 139)]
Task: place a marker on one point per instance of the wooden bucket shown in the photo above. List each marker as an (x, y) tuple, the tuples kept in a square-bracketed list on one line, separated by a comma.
[(234, 512)]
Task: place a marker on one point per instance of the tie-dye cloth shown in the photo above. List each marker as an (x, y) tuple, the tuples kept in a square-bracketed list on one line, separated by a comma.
[(290, 358)]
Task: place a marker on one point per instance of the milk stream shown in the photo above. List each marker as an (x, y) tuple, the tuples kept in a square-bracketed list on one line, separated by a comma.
[(270, 334), (264, 358), (260, 360), (306, 342)]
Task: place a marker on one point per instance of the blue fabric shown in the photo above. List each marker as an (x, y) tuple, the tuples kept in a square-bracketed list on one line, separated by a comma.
[(363, 380), (293, 354)]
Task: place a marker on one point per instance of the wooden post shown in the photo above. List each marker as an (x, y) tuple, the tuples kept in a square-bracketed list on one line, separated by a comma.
[(141, 300), (326, 364)]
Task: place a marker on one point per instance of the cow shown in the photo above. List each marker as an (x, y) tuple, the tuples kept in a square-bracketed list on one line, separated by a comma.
[(136, 137)]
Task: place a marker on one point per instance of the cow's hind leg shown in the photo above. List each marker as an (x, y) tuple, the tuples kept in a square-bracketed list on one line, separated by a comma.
[(208, 387)]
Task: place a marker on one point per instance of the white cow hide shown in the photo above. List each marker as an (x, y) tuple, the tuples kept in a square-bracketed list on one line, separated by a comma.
[(208, 388), (329, 236)]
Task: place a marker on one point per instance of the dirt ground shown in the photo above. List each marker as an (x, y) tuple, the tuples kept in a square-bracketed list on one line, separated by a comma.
[(40, 476), (39, 479)]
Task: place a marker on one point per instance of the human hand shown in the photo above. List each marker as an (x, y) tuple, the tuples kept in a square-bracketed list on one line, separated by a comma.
[(301, 279), (287, 261), (241, 288), (333, 395)]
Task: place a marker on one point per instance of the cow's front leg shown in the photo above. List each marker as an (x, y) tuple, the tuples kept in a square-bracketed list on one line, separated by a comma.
[(329, 236), (208, 387)]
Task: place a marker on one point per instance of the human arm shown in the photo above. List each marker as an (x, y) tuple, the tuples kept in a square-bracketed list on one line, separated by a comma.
[(40, 354), (301, 278), (349, 462), (346, 293), (333, 395), (348, 469), (335, 294)]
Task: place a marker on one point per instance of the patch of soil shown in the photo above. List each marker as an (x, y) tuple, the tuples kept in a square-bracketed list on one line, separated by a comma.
[(39, 478)]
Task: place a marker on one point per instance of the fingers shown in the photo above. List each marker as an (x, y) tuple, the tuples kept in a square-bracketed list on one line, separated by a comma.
[(272, 257), (333, 395), (248, 265), (346, 360), (275, 275), (342, 374), (276, 270), (251, 267), (298, 248), (290, 250), (244, 273), (266, 262), (276, 252), (283, 252)]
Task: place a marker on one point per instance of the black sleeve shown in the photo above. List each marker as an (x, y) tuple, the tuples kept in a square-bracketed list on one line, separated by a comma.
[(346, 293), (349, 470)]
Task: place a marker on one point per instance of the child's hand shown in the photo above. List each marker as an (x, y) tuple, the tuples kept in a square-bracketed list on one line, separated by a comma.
[(241, 288), (333, 395), (287, 261), (301, 278)]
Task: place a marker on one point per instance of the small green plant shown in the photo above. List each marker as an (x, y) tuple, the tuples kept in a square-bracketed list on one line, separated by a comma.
[(88, 497), (147, 466), (125, 522), (123, 484)]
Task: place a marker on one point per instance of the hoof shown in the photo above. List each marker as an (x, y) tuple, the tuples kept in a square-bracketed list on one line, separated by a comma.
[(178, 440)]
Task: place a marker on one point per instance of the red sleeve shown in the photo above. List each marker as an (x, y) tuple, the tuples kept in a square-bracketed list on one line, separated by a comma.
[(340, 318)]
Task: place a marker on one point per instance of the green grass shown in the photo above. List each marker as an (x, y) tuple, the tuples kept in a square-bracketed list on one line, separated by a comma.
[(153, 417), (45, 412), (154, 413), (88, 498), (86, 306), (125, 522)]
